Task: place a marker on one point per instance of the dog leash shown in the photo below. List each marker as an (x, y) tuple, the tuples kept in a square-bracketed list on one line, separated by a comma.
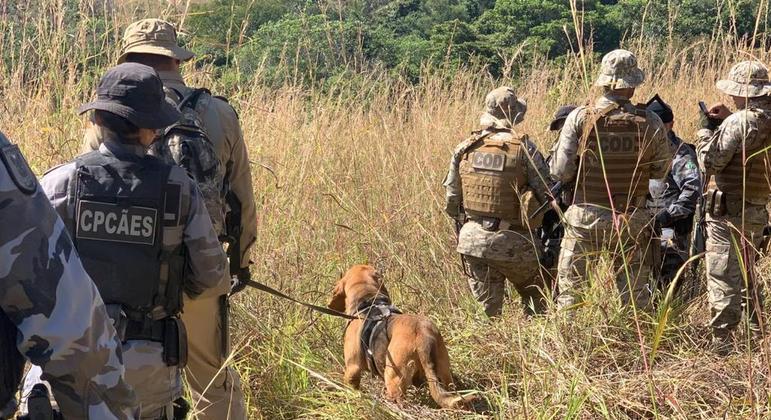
[(324, 310)]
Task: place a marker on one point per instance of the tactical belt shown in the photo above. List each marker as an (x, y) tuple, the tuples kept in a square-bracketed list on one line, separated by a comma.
[(149, 331), (494, 224)]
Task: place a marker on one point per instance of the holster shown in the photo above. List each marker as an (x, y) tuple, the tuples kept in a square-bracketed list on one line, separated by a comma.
[(225, 330), (174, 342), (715, 201)]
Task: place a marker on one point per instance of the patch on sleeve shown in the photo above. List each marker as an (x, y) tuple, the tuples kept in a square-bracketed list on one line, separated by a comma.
[(18, 169)]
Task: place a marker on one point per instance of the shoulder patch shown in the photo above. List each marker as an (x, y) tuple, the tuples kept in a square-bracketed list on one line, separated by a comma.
[(18, 169)]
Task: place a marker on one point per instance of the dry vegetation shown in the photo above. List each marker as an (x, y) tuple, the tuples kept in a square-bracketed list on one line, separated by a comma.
[(355, 176)]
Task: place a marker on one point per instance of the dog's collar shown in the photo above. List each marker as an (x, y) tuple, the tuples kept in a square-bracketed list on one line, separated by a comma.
[(377, 308)]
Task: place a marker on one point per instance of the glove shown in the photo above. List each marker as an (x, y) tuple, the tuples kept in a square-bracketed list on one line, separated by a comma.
[(710, 123), (662, 220), (238, 282)]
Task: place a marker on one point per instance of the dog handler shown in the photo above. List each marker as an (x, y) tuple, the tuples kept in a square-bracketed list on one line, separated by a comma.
[(142, 231)]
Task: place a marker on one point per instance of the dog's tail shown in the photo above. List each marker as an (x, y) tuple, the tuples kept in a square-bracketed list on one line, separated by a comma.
[(436, 366)]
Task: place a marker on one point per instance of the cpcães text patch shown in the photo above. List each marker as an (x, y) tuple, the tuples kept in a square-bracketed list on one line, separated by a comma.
[(111, 222)]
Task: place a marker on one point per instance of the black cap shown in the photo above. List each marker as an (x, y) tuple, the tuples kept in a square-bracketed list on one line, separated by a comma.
[(660, 108), (135, 92), (560, 116)]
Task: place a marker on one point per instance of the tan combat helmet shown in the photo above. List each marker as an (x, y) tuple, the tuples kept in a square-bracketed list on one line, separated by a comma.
[(748, 79), (619, 71), (503, 108), (153, 36)]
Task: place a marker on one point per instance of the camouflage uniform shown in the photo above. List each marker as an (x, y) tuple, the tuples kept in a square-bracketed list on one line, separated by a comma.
[(495, 249), (183, 250), (673, 200), (216, 391), (63, 325), (591, 224), (735, 159), (155, 383)]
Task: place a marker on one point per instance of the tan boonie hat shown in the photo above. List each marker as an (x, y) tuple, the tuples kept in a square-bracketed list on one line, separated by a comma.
[(502, 108), (619, 71), (747, 79), (153, 36)]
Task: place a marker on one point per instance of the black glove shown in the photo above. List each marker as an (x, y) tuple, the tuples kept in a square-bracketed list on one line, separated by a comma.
[(662, 220), (710, 123), (238, 282)]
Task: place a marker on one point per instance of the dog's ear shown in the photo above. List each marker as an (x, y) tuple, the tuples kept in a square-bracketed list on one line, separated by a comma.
[(337, 302)]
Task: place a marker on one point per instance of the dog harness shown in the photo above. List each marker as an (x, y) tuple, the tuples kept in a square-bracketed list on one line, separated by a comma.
[(375, 314)]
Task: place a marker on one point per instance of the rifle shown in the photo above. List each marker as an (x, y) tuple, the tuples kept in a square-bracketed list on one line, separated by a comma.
[(460, 220), (554, 192), (233, 231)]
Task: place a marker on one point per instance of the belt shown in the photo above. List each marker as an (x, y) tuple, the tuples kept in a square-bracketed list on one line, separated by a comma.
[(494, 224), (146, 330)]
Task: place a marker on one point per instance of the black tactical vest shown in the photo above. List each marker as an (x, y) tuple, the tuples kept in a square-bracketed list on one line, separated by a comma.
[(122, 206)]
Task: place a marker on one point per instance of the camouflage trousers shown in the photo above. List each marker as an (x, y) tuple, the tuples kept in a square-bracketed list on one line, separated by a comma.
[(590, 231), (730, 289), (156, 385), (487, 281)]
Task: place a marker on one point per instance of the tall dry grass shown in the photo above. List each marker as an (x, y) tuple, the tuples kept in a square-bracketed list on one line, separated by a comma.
[(354, 177)]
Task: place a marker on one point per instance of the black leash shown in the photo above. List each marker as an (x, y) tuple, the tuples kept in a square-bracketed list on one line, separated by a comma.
[(274, 292)]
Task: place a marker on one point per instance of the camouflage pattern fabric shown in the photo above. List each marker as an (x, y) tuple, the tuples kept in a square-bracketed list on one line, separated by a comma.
[(493, 254), (589, 229), (741, 227), (589, 232), (63, 324), (674, 199), (160, 385), (619, 70)]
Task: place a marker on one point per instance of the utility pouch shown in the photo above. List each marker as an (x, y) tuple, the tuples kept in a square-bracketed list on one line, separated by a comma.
[(174, 343), (719, 208)]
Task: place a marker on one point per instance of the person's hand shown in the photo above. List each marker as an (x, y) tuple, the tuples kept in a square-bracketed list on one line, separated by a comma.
[(715, 116), (238, 282), (719, 111)]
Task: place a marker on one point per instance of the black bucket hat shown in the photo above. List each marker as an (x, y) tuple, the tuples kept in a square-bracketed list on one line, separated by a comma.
[(660, 108), (560, 116), (135, 92)]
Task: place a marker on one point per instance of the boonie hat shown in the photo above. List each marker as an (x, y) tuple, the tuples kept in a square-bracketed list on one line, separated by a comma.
[(153, 36), (619, 71), (502, 107), (560, 116), (747, 79), (660, 108), (135, 92)]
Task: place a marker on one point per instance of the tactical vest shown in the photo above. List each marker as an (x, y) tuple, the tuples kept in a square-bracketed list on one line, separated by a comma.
[(493, 176), (615, 154), (121, 209), (755, 175)]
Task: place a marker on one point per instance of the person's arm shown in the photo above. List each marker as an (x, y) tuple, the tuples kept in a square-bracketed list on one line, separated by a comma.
[(453, 197), (62, 322), (240, 180), (714, 153), (538, 179), (564, 161), (685, 173), (662, 148), (206, 259)]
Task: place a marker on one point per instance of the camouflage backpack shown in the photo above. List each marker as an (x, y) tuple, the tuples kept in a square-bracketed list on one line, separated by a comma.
[(186, 144)]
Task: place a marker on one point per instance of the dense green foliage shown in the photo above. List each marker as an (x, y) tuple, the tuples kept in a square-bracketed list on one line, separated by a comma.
[(319, 40)]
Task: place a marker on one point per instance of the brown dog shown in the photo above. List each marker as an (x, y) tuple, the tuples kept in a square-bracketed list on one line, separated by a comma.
[(403, 349)]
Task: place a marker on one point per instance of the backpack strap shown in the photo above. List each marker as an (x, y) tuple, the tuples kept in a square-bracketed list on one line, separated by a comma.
[(191, 100)]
